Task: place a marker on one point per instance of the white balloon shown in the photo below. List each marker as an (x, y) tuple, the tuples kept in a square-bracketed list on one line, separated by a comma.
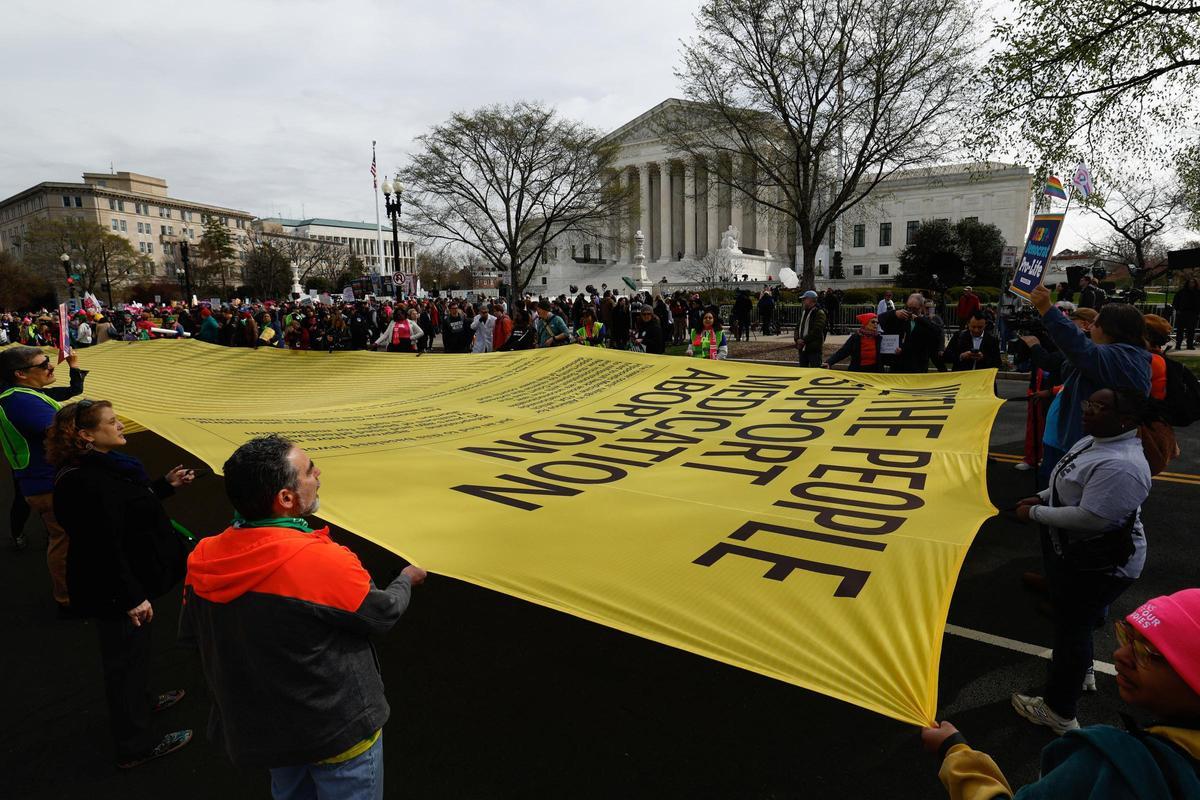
[(789, 278)]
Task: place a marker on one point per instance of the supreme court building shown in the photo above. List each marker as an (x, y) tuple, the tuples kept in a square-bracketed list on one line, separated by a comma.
[(685, 215)]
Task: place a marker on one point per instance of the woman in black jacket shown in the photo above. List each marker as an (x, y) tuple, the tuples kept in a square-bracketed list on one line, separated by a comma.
[(125, 554), (523, 336)]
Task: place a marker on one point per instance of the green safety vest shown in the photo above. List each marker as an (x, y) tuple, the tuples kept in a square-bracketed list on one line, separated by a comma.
[(582, 333), (701, 344), (16, 449)]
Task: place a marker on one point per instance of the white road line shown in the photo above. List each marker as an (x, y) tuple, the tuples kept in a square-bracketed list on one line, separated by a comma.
[(1020, 647)]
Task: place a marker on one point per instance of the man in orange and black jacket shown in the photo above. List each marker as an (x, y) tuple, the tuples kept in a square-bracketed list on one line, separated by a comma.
[(281, 615)]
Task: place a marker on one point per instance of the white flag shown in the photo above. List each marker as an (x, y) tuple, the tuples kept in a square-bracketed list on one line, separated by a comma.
[(1081, 179)]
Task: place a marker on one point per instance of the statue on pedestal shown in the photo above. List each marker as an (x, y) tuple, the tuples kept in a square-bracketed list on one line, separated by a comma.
[(729, 240)]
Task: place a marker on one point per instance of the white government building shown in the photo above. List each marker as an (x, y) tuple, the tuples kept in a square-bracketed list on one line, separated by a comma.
[(698, 213)]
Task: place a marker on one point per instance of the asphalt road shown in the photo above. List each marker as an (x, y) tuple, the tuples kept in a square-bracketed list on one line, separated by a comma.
[(496, 698)]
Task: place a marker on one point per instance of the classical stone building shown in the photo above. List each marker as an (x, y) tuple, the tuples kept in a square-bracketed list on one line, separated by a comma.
[(358, 238), (134, 206), (684, 215)]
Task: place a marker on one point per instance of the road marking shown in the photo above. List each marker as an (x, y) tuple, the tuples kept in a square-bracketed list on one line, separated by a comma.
[(1171, 477), (1020, 647)]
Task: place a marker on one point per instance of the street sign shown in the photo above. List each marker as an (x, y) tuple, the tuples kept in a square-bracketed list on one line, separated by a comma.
[(397, 278), (1009, 259)]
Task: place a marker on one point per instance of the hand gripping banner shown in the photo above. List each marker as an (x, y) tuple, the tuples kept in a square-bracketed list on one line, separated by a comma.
[(804, 524)]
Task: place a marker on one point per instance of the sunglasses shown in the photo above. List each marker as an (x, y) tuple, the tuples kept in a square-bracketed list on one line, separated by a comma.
[(44, 365), (1143, 654)]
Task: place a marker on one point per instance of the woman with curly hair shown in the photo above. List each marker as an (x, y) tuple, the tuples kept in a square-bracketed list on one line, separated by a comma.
[(125, 553)]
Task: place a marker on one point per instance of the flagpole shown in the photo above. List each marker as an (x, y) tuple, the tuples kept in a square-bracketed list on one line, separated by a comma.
[(378, 225), (1070, 194)]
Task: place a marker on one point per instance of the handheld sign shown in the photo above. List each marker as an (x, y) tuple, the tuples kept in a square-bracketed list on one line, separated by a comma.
[(1031, 272), (64, 334), (889, 343)]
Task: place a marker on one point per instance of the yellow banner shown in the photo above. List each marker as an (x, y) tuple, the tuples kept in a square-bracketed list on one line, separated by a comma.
[(804, 524)]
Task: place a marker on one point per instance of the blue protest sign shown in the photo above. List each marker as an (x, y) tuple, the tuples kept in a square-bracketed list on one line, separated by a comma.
[(1038, 247)]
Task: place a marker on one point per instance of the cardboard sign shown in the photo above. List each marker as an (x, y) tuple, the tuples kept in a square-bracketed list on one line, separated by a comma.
[(1031, 272), (64, 333), (889, 343)]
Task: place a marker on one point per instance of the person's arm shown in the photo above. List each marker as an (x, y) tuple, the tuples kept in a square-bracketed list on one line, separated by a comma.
[(844, 351), (415, 330), (967, 774), (723, 348), (953, 354), (1113, 491), (383, 337), (1069, 518), (76, 385)]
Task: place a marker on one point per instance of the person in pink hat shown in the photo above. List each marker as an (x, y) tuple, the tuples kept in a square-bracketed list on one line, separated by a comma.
[(1158, 671)]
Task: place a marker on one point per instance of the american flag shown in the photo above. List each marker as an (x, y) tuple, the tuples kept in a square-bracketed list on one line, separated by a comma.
[(374, 174)]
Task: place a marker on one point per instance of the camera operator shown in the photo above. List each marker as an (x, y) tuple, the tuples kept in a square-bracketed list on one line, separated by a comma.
[(973, 347)]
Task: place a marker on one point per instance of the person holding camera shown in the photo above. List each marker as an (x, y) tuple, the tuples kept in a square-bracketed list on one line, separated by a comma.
[(973, 347), (1097, 545)]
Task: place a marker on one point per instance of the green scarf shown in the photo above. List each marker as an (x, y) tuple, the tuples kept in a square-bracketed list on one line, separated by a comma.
[(296, 523)]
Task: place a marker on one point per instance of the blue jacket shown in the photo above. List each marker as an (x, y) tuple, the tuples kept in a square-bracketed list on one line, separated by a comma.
[(31, 417), (1091, 367)]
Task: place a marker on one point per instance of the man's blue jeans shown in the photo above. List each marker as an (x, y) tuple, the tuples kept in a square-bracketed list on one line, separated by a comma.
[(360, 778)]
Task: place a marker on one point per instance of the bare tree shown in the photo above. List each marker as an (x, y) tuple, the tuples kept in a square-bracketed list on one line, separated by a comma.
[(102, 259), (807, 105), (715, 266), (313, 258), (1138, 213), (506, 181)]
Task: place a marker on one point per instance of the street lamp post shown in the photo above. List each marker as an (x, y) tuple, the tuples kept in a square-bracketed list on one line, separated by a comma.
[(66, 262), (187, 272), (393, 203)]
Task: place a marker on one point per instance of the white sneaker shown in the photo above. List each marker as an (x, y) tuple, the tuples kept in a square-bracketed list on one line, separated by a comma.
[(1036, 711), (1089, 680), (1021, 466)]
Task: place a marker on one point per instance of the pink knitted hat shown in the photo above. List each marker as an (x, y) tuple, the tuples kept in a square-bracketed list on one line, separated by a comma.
[(1172, 624)]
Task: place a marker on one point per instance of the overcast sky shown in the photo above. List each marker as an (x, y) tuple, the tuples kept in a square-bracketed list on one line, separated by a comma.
[(271, 107)]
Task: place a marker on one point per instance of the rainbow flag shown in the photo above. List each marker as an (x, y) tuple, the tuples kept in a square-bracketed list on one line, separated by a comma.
[(1054, 188)]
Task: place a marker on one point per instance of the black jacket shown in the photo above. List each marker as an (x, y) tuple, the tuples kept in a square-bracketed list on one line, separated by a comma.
[(919, 344), (123, 547), (961, 343), (456, 334), (282, 619), (651, 334), (853, 348)]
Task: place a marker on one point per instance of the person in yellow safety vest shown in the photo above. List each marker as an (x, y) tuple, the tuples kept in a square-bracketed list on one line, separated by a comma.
[(708, 342), (27, 407), (592, 333)]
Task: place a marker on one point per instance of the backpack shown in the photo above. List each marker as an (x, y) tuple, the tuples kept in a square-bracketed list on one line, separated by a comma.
[(1181, 407)]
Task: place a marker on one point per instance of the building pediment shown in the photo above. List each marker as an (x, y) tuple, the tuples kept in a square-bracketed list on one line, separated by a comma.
[(647, 127)]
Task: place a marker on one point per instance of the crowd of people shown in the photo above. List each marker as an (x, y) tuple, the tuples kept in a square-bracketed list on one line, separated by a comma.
[(280, 615), (642, 323)]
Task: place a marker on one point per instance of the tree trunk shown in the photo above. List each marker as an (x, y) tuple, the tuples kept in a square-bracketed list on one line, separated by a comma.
[(808, 279)]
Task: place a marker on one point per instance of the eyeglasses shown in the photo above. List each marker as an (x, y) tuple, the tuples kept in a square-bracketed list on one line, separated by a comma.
[(1143, 654), (1092, 407), (44, 365)]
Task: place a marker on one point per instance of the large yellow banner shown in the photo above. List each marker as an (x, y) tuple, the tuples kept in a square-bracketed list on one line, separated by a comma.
[(805, 524)]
